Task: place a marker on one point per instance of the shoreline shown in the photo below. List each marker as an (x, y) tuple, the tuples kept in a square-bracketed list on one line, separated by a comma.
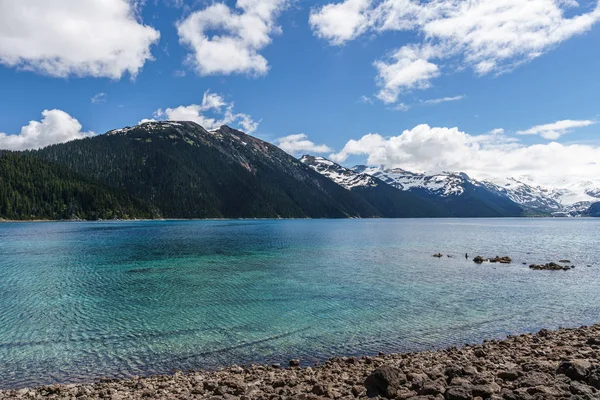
[(564, 363), (12, 221)]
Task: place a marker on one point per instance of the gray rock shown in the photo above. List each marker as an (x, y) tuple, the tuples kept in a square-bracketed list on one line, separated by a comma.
[(458, 393), (509, 375), (433, 387), (594, 378), (577, 370), (485, 391), (384, 381), (534, 378)]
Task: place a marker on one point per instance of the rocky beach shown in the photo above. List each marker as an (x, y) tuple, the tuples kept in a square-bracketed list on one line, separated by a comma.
[(546, 365)]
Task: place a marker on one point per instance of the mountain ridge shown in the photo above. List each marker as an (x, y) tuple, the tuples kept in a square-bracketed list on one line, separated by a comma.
[(535, 199), (189, 172), (174, 169)]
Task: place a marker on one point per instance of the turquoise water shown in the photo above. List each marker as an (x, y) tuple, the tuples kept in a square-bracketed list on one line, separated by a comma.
[(79, 301)]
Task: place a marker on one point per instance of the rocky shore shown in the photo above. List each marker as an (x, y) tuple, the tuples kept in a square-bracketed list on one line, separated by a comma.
[(562, 364)]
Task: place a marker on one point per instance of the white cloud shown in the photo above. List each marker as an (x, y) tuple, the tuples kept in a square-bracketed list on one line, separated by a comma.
[(442, 100), (227, 42), (402, 107), (489, 36), (56, 126), (434, 149), (408, 68), (556, 129), (299, 143), (212, 113), (341, 22), (497, 131), (98, 38), (98, 98)]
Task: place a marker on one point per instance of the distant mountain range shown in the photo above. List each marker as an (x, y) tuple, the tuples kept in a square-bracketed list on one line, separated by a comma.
[(181, 170), (465, 196), (454, 195)]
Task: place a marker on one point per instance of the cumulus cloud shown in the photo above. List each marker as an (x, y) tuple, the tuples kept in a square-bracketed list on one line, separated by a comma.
[(408, 68), (341, 22), (435, 149), (556, 129), (488, 36), (213, 112), (98, 38), (56, 126), (225, 42), (299, 143)]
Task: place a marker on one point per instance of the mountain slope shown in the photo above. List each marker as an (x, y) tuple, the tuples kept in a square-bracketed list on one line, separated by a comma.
[(536, 198), (594, 210), (33, 189), (188, 172), (391, 202), (456, 193)]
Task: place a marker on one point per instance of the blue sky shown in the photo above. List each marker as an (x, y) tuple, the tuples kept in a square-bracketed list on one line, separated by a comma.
[(331, 76)]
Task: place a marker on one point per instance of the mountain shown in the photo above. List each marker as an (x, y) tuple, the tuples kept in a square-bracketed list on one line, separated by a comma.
[(594, 210), (389, 201), (455, 193), (33, 189), (535, 198), (185, 171), (570, 200)]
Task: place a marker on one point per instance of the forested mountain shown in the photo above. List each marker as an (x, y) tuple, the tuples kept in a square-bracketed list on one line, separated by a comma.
[(34, 189), (186, 171), (181, 170)]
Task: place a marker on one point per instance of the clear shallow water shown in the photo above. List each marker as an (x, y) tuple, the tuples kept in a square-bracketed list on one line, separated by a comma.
[(79, 301)]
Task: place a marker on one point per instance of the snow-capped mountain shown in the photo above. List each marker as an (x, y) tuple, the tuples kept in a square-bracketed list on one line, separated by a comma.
[(573, 199), (391, 202), (448, 194), (570, 200), (444, 184), (344, 177), (532, 197), (576, 192)]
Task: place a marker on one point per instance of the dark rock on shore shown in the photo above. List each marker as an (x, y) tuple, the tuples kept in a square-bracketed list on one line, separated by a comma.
[(438, 255), (562, 364)]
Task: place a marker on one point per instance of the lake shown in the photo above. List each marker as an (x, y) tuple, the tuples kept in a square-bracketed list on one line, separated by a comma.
[(80, 301)]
